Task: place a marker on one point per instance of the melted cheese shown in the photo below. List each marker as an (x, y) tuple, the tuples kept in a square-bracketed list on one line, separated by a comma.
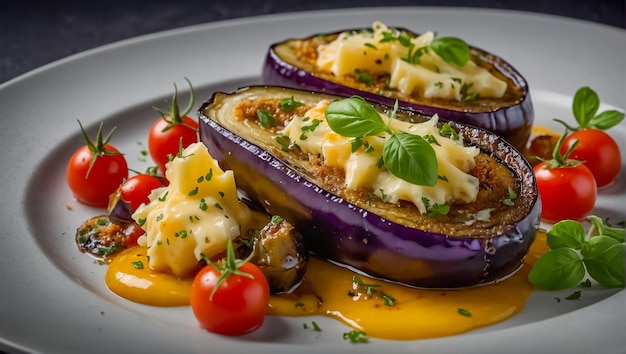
[(361, 166), (195, 215), (432, 77)]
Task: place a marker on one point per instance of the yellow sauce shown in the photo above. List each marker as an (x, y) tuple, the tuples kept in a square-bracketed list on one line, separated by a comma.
[(541, 130), (128, 276), (329, 291)]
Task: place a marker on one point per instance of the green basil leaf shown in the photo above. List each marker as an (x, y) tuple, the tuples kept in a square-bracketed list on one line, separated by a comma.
[(585, 105), (353, 117), (557, 269), (451, 49), (604, 260), (599, 228), (606, 120), (411, 158), (566, 233)]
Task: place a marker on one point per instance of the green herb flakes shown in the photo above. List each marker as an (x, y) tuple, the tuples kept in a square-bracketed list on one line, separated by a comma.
[(355, 336), (289, 104), (266, 118), (464, 312)]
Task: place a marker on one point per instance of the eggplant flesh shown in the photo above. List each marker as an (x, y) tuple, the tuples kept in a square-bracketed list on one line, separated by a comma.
[(279, 250), (511, 118), (345, 230)]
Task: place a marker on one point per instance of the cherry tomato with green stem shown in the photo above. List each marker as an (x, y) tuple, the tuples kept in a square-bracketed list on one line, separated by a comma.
[(173, 129), (595, 148), (96, 170), (566, 187), (231, 297)]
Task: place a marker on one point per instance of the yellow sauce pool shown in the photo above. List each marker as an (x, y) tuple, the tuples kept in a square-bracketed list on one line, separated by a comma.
[(329, 290)]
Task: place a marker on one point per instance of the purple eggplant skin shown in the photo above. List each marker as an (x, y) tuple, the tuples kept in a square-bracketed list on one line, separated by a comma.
[(118, 209), (368, 243), (513, 123)]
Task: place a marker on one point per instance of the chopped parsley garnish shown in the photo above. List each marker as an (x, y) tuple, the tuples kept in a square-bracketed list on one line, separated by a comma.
[(289, 104), (181, 234), (435, 209), (574, 296), (355, 336), (511, 195), (266, 118), (137, 264), (364, 77), (447, 131), (284, 142), (315, 326), (464, 312), (369, 288)]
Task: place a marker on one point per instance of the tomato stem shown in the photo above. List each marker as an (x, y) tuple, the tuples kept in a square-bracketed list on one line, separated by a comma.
[(172, 115), (99, 148), (228, 266), (561, 160), (567, 126)]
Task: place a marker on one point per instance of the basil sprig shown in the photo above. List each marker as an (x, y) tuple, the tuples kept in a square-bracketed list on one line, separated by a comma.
[(600, 252), (585, 107), (451, 49), (407, 156)]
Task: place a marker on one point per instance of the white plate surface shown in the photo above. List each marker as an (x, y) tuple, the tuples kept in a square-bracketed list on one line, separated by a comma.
[(53, 299)]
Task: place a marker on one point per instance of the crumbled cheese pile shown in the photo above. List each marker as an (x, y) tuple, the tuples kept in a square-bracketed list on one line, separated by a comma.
[(361, 166), (196, 214), (432, 77)]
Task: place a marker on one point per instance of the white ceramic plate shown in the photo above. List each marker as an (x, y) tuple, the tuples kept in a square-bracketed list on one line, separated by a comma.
[(53, 299)]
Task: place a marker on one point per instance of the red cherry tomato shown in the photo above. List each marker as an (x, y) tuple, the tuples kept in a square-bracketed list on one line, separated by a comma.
[(132, 231), (232, 300), (173, 131), (137, 188), (599, 152), (96, 170), (566, 192)]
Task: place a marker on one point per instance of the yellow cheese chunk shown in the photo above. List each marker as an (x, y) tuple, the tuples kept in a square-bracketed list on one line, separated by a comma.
[(195, 215)]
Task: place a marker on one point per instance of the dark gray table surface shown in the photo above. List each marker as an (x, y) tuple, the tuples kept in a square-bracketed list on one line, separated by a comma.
[(37, 32)]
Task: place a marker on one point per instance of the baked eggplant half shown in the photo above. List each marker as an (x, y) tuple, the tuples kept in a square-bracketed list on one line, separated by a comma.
[(423, 72), (472, 224)]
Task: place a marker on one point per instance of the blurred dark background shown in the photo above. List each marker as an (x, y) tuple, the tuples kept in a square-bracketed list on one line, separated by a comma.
[(36, 32)]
